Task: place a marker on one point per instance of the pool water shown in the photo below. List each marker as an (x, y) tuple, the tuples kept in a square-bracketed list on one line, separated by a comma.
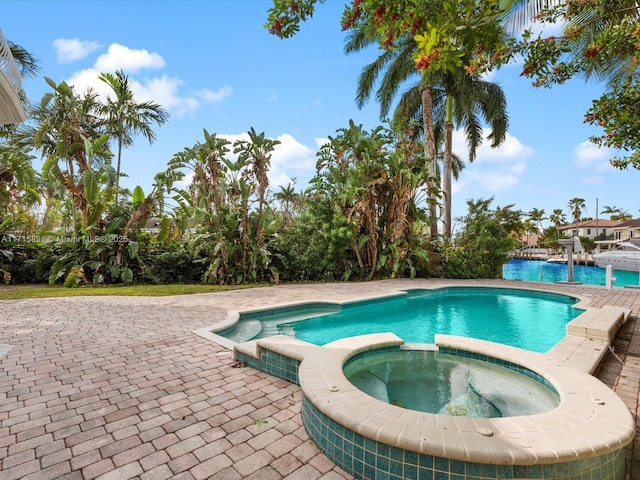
[(434, 382), (526, 319), (542, 271)]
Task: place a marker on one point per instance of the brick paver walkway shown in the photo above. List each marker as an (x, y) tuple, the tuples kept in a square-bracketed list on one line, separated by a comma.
[(119, 388)]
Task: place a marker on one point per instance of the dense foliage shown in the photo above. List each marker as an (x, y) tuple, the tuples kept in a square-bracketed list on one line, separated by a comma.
[(371, 211), (482, 246)]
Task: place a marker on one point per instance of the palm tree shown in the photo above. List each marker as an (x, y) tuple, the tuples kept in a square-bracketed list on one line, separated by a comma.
[(25, 61), (125, 117), (467, 99), (205, 160), (622, 216), (616, 214), (537, 215), (54, 197), (576, 206), (288, 198), (400, 67), (558, 218), (530, 228), (450, 97)]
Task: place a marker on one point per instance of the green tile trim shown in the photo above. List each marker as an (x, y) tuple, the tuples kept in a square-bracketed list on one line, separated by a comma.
[(366, 459)]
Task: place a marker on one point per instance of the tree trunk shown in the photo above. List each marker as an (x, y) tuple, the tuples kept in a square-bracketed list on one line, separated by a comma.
[(118, 170), (430, 152), (446, 172)]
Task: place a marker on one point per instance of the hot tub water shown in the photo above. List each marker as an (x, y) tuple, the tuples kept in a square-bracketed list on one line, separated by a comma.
[(434, 382)]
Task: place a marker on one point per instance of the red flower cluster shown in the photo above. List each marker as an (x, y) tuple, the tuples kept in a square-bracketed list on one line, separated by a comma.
[(352, 17), (591, 52), (528, 69), (276, 27)]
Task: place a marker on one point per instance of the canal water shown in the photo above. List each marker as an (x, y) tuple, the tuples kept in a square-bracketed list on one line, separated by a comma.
[(542, 271)]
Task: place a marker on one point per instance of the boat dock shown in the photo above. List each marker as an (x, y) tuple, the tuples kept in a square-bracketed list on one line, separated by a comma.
[(536, 254)]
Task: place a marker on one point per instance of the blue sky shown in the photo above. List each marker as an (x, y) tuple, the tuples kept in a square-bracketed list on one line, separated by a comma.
[(212, 65)]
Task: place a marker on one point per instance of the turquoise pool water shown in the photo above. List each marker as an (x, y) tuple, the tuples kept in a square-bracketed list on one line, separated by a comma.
[(531, 320), (542, 271)]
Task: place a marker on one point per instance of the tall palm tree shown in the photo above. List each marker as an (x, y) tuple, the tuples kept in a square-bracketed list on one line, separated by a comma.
[(611, 211), (558, 218), (441, 100), (469, 101), (125, 117), (617, 214), (576, 206), (623, 216), (537, 215), (397, 66)]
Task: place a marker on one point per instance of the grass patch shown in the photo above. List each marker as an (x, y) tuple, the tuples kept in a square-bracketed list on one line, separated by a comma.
[(20, 292)]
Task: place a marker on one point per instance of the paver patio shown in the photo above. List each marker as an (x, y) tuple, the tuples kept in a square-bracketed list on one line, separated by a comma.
[(120, 387)]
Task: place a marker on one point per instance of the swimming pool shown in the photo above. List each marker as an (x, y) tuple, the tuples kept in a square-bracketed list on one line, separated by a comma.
[(542, 271), (526, 319)]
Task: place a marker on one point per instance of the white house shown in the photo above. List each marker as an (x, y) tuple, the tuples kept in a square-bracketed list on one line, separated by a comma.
[(589, 228), (627, 230)]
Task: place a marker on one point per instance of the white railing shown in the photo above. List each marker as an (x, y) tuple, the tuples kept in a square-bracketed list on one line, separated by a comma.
[(8, 66)]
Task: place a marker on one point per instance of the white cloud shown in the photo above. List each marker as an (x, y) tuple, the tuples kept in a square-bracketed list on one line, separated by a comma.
[(494, 180), (590, 156), (321, 141), (293, 159), (71, 49), (494, 169), (214, 96), (511, 149), (82, 80), (128, 59), (164, 89)]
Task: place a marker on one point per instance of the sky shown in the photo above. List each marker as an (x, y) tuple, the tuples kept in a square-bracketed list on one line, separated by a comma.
[(212, 65)]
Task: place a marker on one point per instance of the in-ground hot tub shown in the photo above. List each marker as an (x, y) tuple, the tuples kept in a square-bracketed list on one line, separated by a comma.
[(584, 436), (430, 381)]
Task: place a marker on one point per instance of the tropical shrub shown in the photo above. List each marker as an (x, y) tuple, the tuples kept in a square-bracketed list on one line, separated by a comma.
[(481, 247)]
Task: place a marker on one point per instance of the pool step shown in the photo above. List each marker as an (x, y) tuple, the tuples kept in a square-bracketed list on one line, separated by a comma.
[(589, 336), (599, 324)]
